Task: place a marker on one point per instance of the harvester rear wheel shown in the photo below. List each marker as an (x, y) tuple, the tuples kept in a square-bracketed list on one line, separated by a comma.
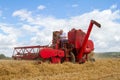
[(91, 57), (72, 57)]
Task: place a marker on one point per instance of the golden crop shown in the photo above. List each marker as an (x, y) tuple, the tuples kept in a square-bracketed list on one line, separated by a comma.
[(102, 69)]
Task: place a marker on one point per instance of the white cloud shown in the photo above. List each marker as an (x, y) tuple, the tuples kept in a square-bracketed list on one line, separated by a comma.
[(75, 5), (23, 14), (8, 38), (30, 28), (114, 6), (117, 38), (41, 7)]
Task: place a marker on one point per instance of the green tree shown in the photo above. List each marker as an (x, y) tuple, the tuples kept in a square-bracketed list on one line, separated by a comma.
[(2, 56)]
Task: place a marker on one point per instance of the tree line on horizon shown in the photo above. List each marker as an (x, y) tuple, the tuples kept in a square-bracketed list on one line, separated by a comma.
[(2, 56)]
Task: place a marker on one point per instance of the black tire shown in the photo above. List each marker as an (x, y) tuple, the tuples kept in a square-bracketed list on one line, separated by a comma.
[(72, 57), (92, 60), (63, 60), (91, 57)]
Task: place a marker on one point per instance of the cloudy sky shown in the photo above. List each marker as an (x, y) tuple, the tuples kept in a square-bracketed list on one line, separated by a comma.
[(31, 22)]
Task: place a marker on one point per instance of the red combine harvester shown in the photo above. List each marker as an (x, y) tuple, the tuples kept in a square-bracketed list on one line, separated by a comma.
[(75, 49)]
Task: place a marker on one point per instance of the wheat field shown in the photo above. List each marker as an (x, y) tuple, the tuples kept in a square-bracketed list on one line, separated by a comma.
[(102, 69)]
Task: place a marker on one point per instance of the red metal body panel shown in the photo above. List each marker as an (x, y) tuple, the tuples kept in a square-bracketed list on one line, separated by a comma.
[(79, 38), (49, 53), (71, 36), (56, 59), (89, 47), (53, 54), (76, 37)]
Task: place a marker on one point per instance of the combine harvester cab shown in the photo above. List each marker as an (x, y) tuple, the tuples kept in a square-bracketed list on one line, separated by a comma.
[(74, 49)]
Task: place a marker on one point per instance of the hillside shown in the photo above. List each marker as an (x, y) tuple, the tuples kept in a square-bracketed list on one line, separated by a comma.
[(108, 55)]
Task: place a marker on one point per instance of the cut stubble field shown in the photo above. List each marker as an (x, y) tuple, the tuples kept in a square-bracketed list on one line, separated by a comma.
[(102, 69)]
